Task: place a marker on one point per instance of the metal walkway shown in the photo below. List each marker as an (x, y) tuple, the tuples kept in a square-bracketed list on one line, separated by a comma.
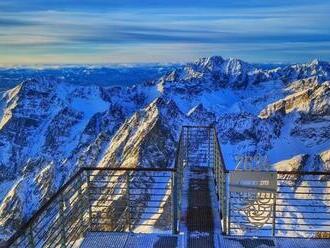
[(198, 198), (244, 242), (129, 240), (199, 213)]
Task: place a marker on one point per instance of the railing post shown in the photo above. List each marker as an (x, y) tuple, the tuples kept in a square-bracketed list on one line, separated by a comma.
[(225, 201), (62, 222), (227, 226), (88, 189), (128, 204), (174, 203), (274, 214), (81, 198), (209, 147), (187, 148), (31, 238)]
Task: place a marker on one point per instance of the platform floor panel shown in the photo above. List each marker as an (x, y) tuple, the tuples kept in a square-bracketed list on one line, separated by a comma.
[(199, 213), (234, 242), (129, 240)]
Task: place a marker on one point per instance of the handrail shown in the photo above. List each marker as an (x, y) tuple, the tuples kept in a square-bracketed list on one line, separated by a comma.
[(301, 173), (314, 173), (220, 151), (177, 186), (39, 212), (181, 159), (128, 169), (24, 227)]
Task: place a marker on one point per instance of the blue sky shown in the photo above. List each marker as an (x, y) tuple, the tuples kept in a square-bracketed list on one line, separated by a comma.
[(134, 31)]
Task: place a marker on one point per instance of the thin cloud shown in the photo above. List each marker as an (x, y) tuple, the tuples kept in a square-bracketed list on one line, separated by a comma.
[(72, 32)]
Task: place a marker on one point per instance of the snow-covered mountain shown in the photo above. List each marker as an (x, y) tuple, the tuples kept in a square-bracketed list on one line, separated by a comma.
[(102, 75), (48, 129)]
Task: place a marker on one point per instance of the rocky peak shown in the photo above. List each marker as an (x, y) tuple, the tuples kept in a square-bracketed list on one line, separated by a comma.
[(317, 62), (210, 63), (313, 101), (303, 84), (201, 115), (300, 71), (234, 66), (37, 87)]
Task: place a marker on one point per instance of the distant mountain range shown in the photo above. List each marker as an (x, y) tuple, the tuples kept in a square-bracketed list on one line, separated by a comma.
[(101, 75), (49, 128)]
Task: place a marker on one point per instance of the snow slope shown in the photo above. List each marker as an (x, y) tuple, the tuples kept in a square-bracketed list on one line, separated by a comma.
[(48, 128)]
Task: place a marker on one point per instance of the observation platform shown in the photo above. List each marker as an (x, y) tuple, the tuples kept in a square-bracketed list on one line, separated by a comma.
[(134, 240), (200, 227), (126, 240), (196, 204)]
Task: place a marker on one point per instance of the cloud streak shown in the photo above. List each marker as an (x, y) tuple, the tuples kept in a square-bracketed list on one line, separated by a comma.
[(126, 34)]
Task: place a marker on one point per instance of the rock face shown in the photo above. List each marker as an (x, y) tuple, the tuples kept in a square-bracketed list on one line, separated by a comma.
[(49, 129), (312, 102)]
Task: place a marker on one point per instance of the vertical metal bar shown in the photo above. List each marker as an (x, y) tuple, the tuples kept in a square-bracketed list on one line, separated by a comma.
[(274, 214), (209, 147), (81, 199), (187, 148), (128, 203), (216, 163), (174, 203), (31, 237), (179, 189), (227, 231), (89, 203), (225, 201), (62, 222)]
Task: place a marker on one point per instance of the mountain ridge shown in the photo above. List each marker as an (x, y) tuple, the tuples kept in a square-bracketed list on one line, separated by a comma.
[(49, 129)]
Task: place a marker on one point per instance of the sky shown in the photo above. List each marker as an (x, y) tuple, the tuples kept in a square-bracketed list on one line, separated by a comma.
[(158, 31)]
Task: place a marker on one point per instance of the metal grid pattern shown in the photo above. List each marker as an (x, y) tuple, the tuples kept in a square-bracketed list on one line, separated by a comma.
[(124, 200), (199, 215), (60, 222), (129, 240), (102, 199), (121, 199), (300, 207), (200, 147), (244, 242)]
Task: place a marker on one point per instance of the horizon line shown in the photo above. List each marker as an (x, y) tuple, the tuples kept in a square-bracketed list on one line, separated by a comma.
[(134, 64)]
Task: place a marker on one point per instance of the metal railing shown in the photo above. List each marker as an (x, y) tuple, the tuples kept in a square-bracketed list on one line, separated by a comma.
[(138, 199), (300, 207), (103, 199), (302, 204), (199, 146), (220, 172), (180, 163), (59, 222)]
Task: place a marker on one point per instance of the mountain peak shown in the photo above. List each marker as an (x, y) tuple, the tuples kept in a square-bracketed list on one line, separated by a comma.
[(317, 62), (210, 62), (38, 84)]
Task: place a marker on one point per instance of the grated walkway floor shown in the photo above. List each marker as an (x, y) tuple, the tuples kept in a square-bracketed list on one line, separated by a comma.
[(241, 242), (199, 213), (129, 240)]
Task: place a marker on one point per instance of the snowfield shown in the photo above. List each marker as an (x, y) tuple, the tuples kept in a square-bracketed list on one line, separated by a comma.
[(50, 128)]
